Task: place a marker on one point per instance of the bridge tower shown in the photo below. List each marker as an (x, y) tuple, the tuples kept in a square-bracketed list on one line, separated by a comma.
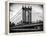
[(26, 14)]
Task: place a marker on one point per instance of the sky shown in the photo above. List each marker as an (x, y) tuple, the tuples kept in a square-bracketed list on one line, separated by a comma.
[(37, 12)]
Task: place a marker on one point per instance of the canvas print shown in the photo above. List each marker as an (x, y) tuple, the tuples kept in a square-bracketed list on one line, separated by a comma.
[(25, 17)]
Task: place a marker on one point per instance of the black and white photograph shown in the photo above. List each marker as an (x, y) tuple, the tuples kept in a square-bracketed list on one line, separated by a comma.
[(26, 17)]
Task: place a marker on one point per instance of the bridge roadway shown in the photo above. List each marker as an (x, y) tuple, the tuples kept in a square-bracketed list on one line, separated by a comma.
[(27, 27)]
